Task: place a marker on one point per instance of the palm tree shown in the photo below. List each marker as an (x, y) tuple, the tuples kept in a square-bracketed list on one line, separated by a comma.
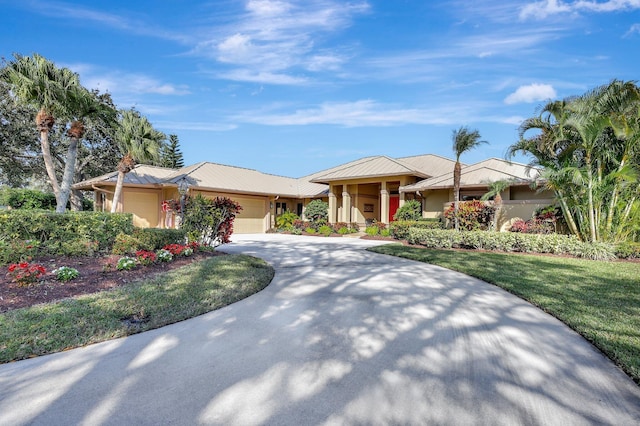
[(463, 140), (56, 93), (137, 141)]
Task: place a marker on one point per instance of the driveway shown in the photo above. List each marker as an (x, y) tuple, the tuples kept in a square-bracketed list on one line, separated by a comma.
[(341, 336)]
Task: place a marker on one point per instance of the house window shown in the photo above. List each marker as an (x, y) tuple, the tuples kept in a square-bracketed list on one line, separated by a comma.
[(299, 209), (281, 208)]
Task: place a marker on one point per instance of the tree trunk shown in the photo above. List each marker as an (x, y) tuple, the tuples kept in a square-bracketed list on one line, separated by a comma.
[(118, 192), (67, 179), (457, 170), (44, 122), (76, 200)]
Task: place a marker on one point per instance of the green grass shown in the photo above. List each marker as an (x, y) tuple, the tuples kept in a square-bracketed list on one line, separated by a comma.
[(599, 300), (175, 296)]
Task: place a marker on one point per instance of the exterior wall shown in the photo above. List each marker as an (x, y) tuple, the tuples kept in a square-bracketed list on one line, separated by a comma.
[(520, 193), (144, 204), (254, 216), (433, 201), (514, 210)]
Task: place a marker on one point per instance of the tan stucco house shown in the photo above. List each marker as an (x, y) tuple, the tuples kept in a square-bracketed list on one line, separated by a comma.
[(367, 189)]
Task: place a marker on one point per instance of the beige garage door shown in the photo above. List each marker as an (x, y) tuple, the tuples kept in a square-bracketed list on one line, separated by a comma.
[(251, 219), (144, 206)]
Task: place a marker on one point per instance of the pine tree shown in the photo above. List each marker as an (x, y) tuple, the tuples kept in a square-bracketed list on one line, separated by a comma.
[(171, 155)]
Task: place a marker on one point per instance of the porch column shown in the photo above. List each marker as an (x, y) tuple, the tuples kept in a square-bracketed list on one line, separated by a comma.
[(384, 203), (346, 204), (333, 206), (401, 199)]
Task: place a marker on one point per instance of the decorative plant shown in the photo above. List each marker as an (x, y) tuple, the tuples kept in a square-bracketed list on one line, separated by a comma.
[(410, 210), (146, 257), (286, 220), (126, 263), (164, 255), (25, 273), (66, 273), (317, 211)]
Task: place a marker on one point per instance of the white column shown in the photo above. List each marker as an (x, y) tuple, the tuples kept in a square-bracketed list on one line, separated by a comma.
[(333, 206), (346, 204), (384, 204)]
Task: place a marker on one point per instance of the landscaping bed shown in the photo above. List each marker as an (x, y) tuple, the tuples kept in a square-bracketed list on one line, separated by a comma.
[(95, 274)]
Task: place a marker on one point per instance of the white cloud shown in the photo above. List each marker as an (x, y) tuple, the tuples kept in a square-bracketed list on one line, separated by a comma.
[(531, 93), (276, 37), (635, 29), (366, 113), (545, 8)]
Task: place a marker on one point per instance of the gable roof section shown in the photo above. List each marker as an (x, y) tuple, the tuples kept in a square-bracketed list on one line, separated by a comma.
[(368, 167), (432, 165), (142, 174), (217, 177), (478, 175)]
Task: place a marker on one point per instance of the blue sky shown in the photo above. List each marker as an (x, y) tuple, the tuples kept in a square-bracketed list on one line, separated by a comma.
[(291, 87)]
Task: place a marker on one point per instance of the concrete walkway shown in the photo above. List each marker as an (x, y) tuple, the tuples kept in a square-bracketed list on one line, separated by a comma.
[(341, 336)]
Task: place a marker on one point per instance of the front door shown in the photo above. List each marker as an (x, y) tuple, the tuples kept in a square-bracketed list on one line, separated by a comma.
[(394, 203)]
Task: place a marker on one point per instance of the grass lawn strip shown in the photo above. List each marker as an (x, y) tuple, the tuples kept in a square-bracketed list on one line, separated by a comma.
[(599, 300), (136, 307)]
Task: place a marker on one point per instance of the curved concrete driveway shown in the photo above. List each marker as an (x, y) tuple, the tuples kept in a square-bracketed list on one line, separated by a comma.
[(341, 336)]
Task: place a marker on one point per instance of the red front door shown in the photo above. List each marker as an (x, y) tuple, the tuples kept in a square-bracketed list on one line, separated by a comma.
[(394, 203)]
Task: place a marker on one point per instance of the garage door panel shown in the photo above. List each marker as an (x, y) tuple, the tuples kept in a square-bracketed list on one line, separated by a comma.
[(251, 219)]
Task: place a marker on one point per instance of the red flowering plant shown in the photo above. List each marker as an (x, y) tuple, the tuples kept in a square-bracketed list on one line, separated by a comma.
[(146, 257), (25, 273), (174, 249)]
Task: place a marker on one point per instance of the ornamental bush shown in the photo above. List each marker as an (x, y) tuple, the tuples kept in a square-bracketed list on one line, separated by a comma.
[(25, 273), (146, 257), (400, 228), (164, 255), (472, 215), (317, 211), (285, 220), (126, 263), (210, 221), (510, 242), (410, 210), (65, 273)]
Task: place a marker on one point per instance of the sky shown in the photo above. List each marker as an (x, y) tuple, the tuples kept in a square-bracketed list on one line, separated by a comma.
[(292, 87)]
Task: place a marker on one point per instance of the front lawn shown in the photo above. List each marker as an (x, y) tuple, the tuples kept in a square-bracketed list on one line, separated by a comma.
[(174, 296), (600, 300)]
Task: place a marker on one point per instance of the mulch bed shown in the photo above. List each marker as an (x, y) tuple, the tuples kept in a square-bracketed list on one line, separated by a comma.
[(95, 275)]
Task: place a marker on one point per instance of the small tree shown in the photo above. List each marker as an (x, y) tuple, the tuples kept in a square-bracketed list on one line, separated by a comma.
[(210, 221), (410, 210), (317, 211)]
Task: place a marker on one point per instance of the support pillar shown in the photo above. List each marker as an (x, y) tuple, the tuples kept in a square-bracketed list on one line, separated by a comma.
[(333, 206), (384, 203), (346, 204)]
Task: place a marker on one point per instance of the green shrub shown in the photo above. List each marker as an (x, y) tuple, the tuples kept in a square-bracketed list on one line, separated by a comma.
[(310, 230), (410, 210), (49, 229), (317, 211), (210, 221), (372, 230), (628, 250), (127, 244), (13, 251), (472, 215), (325, 230), (65, 273), (344, 230), (126, 263), (164, 255), (510, 242), (28, 199), (400, 228), (385, 232), (74, 247), (286, 220), (155, 238)]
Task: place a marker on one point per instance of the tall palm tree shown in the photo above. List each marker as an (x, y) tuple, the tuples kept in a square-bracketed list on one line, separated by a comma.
[(137, 141), (57, 94), (463, 140)]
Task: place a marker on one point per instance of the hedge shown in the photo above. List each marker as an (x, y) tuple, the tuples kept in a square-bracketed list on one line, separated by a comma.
[(510, 242), (30, 233), (400, 228)]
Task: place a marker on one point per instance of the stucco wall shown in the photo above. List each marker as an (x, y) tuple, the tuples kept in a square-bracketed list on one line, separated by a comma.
[(433, 201), (514, 210)]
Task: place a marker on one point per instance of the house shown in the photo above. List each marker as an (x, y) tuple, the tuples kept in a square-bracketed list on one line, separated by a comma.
[(364, 190)]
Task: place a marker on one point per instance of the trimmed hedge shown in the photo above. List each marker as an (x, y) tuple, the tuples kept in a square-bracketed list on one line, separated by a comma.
[(400, 228), (147, 239), (510, 242), (30, 233)]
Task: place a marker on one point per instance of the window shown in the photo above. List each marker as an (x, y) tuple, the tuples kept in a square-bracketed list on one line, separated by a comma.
[(299, 209), (281, 208)]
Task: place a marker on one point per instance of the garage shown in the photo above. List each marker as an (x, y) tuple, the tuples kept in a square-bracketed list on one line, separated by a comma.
[(252, 217), (144, 206)]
